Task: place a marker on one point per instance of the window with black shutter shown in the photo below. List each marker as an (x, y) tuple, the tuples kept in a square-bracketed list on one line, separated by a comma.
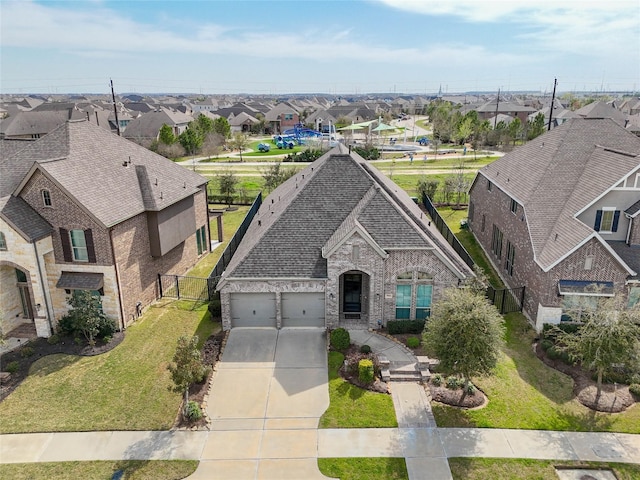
[(66, 245)]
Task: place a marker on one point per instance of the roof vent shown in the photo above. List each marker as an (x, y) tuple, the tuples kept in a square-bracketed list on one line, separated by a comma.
[(259, 223), (156, 184)]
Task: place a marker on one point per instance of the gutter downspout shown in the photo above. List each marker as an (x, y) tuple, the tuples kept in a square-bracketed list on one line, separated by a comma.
[(115, 266), (44, 286)]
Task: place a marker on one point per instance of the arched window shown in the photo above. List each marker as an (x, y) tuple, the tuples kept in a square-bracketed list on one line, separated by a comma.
[(46, 198)]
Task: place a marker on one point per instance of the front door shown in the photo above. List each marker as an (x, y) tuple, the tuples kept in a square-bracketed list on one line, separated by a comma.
[(352, 301)]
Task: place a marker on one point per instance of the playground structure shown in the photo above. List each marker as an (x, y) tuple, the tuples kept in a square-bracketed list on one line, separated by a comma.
[(297, 135)]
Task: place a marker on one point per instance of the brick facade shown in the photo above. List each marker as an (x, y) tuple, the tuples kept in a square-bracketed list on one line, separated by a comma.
[(634, 234), (542, 301), (122, 251)]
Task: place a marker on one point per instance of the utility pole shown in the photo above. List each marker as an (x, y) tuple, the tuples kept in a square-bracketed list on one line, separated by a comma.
[(495, 119), (115, 108), (553, 99)]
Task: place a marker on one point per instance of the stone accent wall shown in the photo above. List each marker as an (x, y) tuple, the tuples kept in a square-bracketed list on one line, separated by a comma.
[(267, 286), (21, 254), (65, 213), (367, 261), (541, 288), (59, 297)]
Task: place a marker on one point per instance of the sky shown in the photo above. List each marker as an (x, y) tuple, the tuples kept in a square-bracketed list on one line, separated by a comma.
[(307, 46)]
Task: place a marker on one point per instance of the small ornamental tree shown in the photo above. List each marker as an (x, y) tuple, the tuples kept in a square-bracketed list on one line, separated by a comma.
[(187, 367), (466, 333), (166, 135), (239, 142), (227, 183), (609, 335), (86, 316)]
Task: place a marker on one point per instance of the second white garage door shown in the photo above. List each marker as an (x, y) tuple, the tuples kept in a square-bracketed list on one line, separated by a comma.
[(253, 309), (303, 310)]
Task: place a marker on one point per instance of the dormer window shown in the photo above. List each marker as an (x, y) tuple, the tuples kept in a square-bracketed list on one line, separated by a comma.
[(46, 198), (607, 220)]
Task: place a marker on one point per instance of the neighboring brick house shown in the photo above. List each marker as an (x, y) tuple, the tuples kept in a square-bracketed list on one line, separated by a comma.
[(281, 117), (84, 209), (560, 216), (337, 244)]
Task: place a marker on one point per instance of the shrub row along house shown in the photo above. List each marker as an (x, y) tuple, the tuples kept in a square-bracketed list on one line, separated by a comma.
[(561, 216), (84, 209), (338, 244)]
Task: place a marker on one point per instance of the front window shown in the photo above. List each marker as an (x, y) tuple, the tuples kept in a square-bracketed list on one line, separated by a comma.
[(3, 242), (79, 246), (574, 307), (403, 302), (607, 220), (423, 301)]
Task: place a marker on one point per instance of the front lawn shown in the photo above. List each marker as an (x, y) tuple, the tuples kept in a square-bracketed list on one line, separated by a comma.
[(364, 468), (525, 393), (126, 388), (354, 407), (132, 469)]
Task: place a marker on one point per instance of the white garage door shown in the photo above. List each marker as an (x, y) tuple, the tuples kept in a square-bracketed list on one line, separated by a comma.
[(253, 309), (303, 310)]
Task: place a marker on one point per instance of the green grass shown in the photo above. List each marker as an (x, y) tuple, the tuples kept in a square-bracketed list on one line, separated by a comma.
[(524, 469), (354, 407), (364, 468), (452, 218), (126, 388), (524, 393), (440, 163), (230, 223), (133, 470)]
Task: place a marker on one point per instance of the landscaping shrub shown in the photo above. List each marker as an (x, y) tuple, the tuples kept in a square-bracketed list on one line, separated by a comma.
[(453, 382), (365, 349), (12, 367), (471, 389), (70, 325), (352, 360), (204, 373), (634, 388), (546, 344), (413, 342), (365, 371), (340, 339), (396, 327), (368, 152), (107, 327), (550, 330), (107, 339), (437, 379), (193, 411), (215, 307), (66, 326), (26, 352), (53, 339)]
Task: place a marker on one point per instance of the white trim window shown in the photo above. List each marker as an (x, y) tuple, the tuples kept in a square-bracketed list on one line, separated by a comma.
[(79, 246)]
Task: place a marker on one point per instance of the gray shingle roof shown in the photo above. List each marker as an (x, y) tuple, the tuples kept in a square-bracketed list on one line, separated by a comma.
[(24, 219), (630, 254), (558, 174), (633, 209), (320, 204), (92, 165)]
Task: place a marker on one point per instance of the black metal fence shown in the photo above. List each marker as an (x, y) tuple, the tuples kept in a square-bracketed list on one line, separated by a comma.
[(506, 300), (204, 289), (235, 240), (188, 288), (446, 232)]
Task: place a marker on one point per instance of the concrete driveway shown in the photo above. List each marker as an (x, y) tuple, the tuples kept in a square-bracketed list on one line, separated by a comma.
[(268, 393)]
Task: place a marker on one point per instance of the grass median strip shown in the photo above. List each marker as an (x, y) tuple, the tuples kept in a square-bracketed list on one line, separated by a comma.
[(364, 468), (354, 407), (99, 470)]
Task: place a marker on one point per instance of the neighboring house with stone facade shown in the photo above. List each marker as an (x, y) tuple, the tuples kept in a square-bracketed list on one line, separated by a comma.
[(561, 216), (84, 209), (337, 244)]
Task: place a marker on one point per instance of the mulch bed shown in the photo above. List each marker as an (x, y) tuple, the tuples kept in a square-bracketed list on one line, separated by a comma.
[(403, 337), (454, 398), (41, 348), (210, 354), (352, 354), (613, 398)]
